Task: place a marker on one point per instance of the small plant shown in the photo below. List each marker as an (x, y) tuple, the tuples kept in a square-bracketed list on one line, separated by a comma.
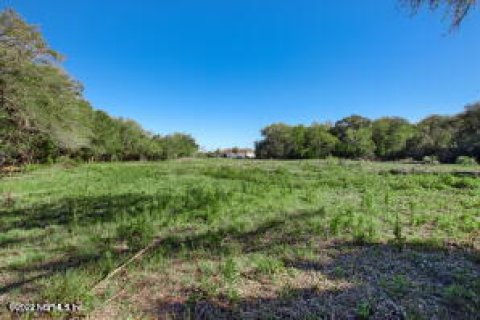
[(107, 264), (466, 161), (269, 266), (71, 286), (136, 232), (208, 287), (364, 310), (412, 208), (458, 295), (339, 272), (397, 286), (368, 202), (230, 271), (398, 233)]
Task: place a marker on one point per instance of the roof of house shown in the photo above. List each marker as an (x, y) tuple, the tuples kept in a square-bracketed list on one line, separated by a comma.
[(238, 150)]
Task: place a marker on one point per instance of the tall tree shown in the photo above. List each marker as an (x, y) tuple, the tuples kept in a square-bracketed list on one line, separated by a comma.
[(390, 135), (43, 113), (434, 136), (468, 135), (355, 137), (319, 142)]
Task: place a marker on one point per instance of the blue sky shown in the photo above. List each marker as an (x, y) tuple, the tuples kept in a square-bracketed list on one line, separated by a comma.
[(223, 69)]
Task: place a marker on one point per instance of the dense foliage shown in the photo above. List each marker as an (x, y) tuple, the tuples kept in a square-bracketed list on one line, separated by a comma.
[(43, 115), (440, 137)]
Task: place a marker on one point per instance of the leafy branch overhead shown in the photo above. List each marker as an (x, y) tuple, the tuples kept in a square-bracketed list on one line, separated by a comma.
[(456, 9)]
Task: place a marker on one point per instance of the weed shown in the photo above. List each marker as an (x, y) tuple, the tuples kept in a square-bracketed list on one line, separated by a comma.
[(364, 310), (269, 265), (397, 286), (230, 271), (137, 232), (70, 286), (91, 218), (398, 233)]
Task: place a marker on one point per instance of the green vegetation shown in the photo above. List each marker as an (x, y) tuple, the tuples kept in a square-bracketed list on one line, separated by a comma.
[(44, 118), (440, 138), (244, 239), (43, 115)]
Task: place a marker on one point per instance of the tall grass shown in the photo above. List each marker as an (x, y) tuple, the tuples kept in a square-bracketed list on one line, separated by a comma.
[(88, 219)]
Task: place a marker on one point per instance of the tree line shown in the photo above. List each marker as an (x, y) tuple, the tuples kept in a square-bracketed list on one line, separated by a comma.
[(445, 138), (43, 115)]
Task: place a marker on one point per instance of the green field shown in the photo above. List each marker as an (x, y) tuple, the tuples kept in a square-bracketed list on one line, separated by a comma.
[(244, 239)]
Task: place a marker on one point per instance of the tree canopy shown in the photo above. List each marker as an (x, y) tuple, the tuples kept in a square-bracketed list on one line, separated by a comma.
[(444, 137), (43, 114)]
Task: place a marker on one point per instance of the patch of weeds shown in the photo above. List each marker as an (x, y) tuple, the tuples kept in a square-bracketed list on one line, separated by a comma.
[(459, 295), (339, 272), (137, 231), (107, 263), (368, 202), (27, 260), (397, 286), (398, 233), (414, 314), (209, 287), (364, 229), (71, 286), (364, 310), (207, 268), (269, 266), (232, 294), (230, 271), (288, 292)]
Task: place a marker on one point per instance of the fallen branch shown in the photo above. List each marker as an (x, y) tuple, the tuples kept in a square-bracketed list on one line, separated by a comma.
[(137, 256)]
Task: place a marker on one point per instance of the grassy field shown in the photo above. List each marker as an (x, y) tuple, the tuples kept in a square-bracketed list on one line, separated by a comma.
[(244, 239)]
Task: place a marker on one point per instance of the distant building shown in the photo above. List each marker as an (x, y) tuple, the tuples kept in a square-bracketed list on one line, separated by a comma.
[(236, 153)]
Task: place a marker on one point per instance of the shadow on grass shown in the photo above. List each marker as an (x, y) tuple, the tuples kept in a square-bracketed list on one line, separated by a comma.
[(380, 280), (371, 281), (420, 280), (172, 246), (84, 211)]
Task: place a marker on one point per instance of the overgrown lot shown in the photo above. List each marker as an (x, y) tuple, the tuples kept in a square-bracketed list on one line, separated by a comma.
[(244, 239)]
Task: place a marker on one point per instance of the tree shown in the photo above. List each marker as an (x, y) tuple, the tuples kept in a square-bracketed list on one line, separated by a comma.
[(43, 113), (320, 143), (277, 142), (457, 9), (178, 145), (390, 135), (355, 137), (468, 135), (434, 136)]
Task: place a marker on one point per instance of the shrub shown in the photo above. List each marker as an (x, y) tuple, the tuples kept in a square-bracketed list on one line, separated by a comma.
[(466, 161)]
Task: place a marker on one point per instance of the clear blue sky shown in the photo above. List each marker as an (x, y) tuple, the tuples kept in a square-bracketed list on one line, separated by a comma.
[(223, 69)]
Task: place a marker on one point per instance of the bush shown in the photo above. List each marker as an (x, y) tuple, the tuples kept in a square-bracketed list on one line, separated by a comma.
[(466, 161)]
